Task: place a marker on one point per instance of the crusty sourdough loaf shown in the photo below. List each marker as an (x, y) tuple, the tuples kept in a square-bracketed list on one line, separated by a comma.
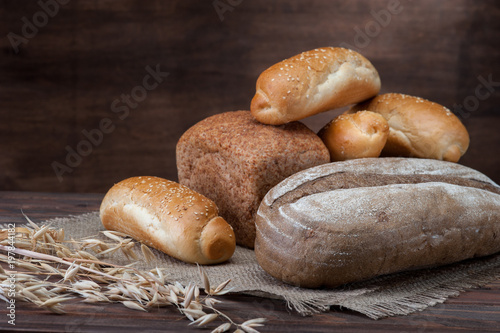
[(312, 82), (418, 127), (169, 217), (234, 160), (356, 135), (354, 220)]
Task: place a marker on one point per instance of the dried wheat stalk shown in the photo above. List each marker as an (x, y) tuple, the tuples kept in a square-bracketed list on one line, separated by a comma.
[(45, 253)]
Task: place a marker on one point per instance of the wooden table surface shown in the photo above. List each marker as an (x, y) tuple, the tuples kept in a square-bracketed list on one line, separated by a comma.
[(473, 310)]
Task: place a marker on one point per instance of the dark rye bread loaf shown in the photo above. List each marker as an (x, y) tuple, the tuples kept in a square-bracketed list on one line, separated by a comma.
[(234, 160), (349, 221)]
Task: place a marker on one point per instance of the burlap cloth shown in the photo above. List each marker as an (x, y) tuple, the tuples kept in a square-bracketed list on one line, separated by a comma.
[(396, 294)]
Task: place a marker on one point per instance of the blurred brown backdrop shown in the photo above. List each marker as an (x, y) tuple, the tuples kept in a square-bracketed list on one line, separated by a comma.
[(67, 67)]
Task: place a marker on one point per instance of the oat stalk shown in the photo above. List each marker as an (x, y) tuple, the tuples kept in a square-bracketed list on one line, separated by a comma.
[(45, 254)]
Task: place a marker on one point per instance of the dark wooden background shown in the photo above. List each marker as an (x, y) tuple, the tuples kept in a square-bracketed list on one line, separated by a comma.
[(65, 79)]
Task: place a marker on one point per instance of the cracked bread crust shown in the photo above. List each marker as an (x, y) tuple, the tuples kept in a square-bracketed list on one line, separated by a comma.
[(350, 221), (312, 82), (418, 127), (169, 217)]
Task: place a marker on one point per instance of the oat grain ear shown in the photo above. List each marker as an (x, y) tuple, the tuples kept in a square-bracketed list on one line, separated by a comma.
[(147, 253), (204, 278)]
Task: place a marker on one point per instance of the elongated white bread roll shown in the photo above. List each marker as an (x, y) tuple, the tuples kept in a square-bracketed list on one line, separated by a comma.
[(357, 135), (312, 82), (418, 127), (169, 217), (349, 221)]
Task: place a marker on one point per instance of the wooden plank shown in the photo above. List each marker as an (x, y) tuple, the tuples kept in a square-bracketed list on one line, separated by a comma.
[(474, 310), (66, 78)]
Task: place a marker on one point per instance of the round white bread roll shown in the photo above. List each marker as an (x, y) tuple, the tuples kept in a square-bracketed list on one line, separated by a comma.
[(357, 135), (418, 127), (312, 82), (169, 217)]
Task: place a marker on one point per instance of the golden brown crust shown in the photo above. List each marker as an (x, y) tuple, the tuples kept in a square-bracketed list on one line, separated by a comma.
[(213, 246), (418, 127), (169, 217), (356, 135), (312, 82)]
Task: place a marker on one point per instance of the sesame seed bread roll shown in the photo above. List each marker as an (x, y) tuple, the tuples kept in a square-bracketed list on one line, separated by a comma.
[(169, 217), (357, 135), (312, 82), (418, 127)]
